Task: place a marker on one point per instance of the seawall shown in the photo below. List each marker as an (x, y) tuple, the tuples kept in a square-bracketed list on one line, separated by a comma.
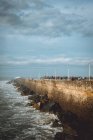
[(73, 96)]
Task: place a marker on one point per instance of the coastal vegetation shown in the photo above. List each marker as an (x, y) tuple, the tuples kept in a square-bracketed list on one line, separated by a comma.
[(70, 100)]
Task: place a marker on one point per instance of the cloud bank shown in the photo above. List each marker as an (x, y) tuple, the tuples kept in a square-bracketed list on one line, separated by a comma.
[(40, 18), (6, 60)]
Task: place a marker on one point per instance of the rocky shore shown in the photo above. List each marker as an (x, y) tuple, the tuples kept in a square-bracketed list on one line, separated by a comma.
[(73, 127)]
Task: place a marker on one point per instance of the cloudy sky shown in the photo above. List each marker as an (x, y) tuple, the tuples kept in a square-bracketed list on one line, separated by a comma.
[(39, 37)]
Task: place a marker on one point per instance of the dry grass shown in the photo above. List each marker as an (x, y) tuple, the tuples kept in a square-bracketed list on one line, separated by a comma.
[(76, 97)]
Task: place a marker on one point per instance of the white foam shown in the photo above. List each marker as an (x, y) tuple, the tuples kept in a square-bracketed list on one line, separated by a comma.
[(38, 122)]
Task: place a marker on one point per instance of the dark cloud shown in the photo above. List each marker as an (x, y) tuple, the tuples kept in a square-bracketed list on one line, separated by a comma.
[(36, 17)]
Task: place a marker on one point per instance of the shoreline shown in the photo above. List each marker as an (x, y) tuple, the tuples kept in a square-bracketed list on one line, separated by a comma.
[(74, 128)]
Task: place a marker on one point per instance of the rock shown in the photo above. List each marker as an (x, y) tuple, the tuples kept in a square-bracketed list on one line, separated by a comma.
[(71, 119), (59, 136), (70, 137), (29, 97), (56, 123), (63, 136), (10, 82), (38, 101), (44, 97), (29, 104), (55, 108), (69, 131), (37, 106), (32, 103), (24, 94), (50, 106), (31, 92), (25, 90), (35, 98), (46, 105)]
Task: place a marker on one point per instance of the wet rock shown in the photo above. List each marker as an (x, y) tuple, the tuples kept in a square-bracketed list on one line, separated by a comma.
[(85, 131), (29, 97), (10, 82), (49, 105), (59, 136), (46, 105), (38, 101), (69, 131), (56, 123), (64, 136), (32, 103), (29, 104), (70, 137), (70, 118), (24, 90), (55, 108), (31, 93), (24, 94), (35, 98), (37, 105), (44, 97)]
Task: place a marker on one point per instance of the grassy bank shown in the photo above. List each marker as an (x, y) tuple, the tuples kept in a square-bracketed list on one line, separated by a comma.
[(71, 100)]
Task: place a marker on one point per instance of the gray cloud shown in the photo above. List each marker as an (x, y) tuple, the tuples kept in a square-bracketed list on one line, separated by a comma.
[(36, 17), (7, 60)]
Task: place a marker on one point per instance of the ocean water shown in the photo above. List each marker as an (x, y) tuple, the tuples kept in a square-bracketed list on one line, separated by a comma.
[(21, 122)]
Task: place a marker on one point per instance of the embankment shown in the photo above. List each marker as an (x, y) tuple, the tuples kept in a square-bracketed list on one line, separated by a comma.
[(73, 96), (71, 101)]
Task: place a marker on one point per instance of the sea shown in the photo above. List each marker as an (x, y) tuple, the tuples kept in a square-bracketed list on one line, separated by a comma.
[(18, 121)]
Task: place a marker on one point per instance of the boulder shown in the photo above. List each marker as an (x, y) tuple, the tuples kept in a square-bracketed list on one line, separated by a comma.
[(35, 98), (64, 136), (55, 108), (71, 119), (37, 105), (46, 105), (56, 123), (59, 136), (10, 82), (31, 92), (29, 97)]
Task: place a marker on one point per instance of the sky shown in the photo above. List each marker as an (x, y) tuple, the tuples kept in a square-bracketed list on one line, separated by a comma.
[(39, 37)]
